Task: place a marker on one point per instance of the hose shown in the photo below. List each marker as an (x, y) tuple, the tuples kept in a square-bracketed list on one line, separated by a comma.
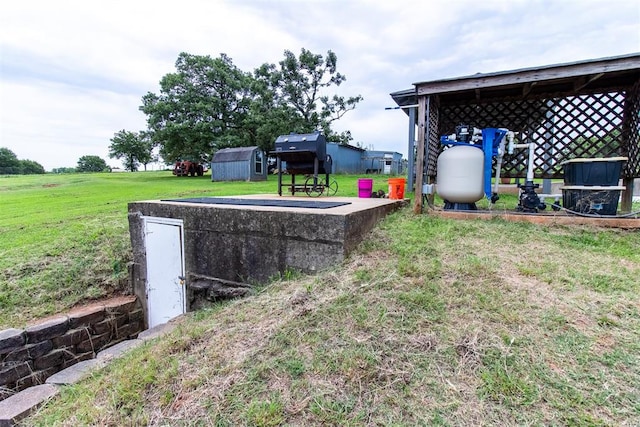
[(553, 205), (631, 214)]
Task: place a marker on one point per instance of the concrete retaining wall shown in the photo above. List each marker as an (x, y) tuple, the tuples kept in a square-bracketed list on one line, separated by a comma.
[(227, 245), (28, 357)]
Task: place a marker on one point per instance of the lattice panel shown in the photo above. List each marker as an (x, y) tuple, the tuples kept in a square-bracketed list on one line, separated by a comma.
[(561, 127), (631, 132), (433, 139)]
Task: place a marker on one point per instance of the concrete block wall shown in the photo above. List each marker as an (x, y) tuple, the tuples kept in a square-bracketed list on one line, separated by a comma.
[(28, 357)]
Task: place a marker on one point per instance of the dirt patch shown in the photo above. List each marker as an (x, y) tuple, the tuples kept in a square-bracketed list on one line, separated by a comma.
[(50, 185)]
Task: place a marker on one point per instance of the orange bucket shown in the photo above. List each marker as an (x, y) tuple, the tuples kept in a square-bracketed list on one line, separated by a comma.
[(396, 188)]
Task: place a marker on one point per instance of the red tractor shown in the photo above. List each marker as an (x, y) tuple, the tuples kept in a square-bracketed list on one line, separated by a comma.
[(188, 168)]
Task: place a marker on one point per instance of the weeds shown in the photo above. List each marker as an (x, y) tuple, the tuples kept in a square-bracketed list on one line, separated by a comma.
[(65, 238), (432, 322)]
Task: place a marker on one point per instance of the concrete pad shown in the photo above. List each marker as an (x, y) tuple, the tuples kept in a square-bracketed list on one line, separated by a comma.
[(75, 373), (354, 204), (20, 405), (156, 331), (117, 350), (252, 244)]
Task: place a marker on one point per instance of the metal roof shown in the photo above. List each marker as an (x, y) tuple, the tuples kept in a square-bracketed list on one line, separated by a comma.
[(233, 154), (347, 146), (610, 73)]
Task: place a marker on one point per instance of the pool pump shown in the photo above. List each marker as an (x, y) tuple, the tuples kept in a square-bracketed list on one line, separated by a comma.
[(465, 165)]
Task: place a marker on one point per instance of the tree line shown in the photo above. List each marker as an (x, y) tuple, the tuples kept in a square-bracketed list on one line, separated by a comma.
[(11, 165), (209, 103), (86, 163)]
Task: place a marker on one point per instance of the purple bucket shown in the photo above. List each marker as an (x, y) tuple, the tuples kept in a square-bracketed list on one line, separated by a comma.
[(365, 187)]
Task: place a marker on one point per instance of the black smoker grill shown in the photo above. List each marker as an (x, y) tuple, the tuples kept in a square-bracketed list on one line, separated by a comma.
[(305, 154)]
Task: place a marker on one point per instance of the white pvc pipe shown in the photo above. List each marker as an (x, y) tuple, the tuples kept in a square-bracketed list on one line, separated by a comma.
[(496, 184), (531, 159), (531, 147)]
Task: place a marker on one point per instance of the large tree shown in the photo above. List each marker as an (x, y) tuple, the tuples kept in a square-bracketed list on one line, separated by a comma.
[(268, 115), (293, 96), (209, 103), (29, 167), (134, 147), (92, 164), (302, 82), (11, 165), (200, 108)]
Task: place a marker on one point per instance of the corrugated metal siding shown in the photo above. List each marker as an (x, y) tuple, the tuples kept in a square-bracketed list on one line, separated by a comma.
[(375, 161), (237, 164), (230, 171), (345, 159)]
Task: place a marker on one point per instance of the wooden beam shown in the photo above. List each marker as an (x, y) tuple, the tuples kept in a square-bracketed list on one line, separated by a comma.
[(478, 95), (626, 200), (555, 218), (584, 81), (526, 89), (411, 149), (422, 113)]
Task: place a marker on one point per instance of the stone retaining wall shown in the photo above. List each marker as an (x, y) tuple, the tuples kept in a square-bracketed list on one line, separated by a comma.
[(28, 357)]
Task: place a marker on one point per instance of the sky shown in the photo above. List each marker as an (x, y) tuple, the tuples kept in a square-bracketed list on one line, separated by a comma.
[(73, 73)]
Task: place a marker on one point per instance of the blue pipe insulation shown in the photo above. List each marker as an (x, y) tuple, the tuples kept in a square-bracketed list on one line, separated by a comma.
[(491, 139)]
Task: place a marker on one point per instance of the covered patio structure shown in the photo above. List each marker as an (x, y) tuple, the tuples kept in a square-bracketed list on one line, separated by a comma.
[(586, 109)]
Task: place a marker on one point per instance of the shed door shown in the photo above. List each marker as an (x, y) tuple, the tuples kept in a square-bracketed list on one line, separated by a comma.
[(165, 269)]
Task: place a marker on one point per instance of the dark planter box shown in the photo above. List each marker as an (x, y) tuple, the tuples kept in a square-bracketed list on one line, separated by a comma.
[(605, 171), (596, 200)]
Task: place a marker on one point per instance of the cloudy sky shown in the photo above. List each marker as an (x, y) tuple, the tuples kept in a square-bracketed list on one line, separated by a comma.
[(73, 72)]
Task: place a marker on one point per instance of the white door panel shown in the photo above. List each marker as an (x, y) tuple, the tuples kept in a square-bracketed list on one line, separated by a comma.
[(165, 269)]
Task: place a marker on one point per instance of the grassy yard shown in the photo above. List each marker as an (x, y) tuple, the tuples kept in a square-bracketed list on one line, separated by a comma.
[(65, 237), (431, 322)]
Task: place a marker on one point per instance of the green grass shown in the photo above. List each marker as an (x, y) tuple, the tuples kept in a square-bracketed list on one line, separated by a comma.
[(65, 237), (430, 322)]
